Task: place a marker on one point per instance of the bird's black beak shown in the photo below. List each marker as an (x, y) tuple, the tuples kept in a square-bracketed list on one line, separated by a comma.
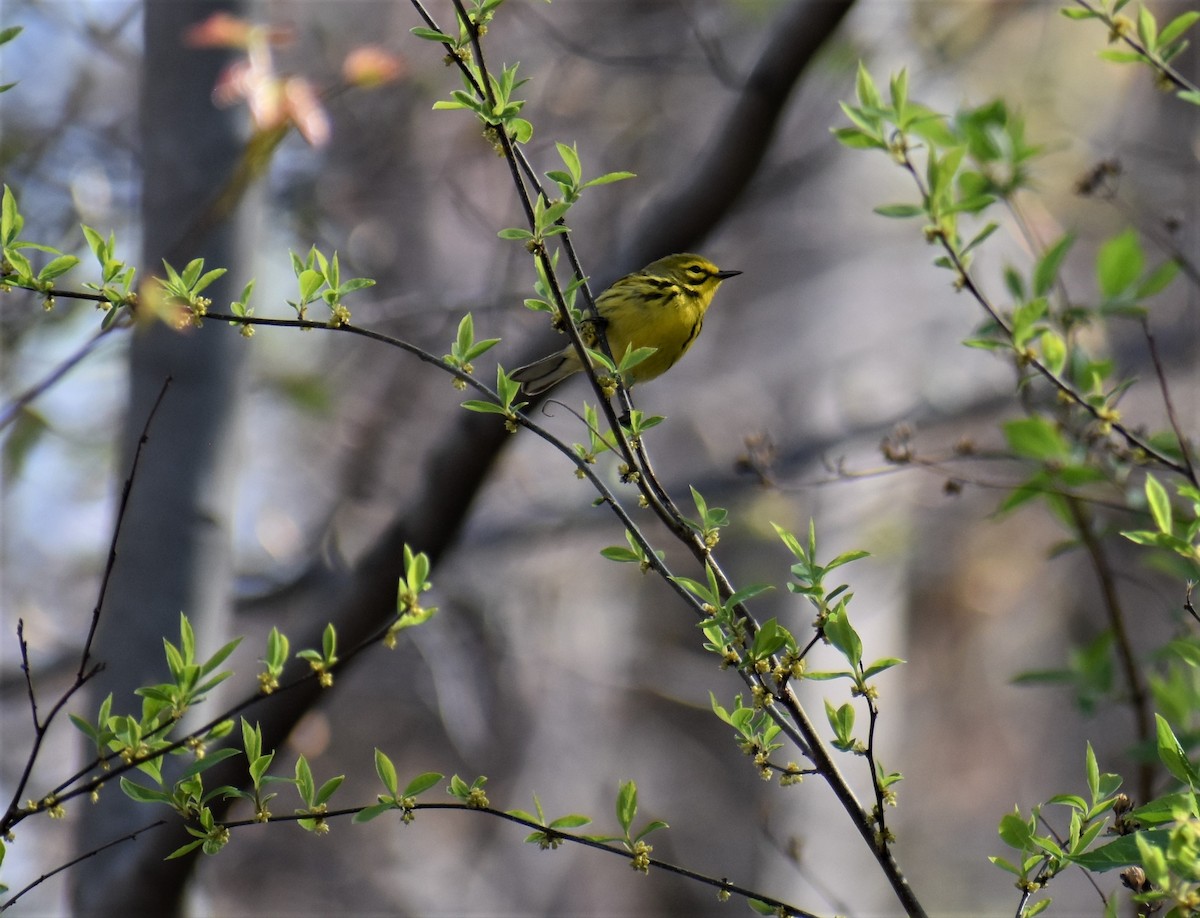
[(725, 275)]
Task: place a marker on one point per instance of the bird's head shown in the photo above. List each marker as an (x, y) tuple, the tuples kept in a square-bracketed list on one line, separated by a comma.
[(693, 271)]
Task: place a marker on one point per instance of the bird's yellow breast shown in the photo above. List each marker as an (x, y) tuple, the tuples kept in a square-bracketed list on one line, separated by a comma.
[(667, 317)]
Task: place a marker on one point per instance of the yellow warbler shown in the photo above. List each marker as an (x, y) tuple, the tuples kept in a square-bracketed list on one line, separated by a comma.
[(661, 306)]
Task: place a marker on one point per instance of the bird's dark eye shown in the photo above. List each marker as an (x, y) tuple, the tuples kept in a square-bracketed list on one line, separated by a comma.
[(696, 271)]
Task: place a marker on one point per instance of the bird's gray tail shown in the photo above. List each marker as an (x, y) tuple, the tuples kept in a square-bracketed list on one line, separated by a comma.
[(535, 378)]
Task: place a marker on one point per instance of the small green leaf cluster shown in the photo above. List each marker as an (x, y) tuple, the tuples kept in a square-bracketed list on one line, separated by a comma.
[(405, 801), (15, 268), (144, 740), (497, 109), (550, 836), (210, 835), (242, 309), (634, 842), (979, 157), (1061, 464), (465, 349), (190, 680), (181, 302), (1042, 857), (1039, 331), (608, 370), (810, 576), (409, 611), (470, 794), (634, 554), (315, 799), (897, 126), (1184, 541), (116, 277), (1153, 46), (475, 25), (597, 444), (1089, 673), (7, 35), (1157, 845), (506, 405), (724, 625), (319, 277), (547, 222), (711, 521), (833, 625), (257, 763), (548, 216), (186, 795), (571, 181), (277, 656), (756, 731), (324, 660)]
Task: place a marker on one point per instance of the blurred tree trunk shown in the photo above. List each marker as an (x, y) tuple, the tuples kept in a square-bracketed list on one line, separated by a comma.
[(174, 554)]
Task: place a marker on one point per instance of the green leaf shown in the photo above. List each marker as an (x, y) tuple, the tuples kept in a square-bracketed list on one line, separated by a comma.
[(386, 771), (608, 178), (570, 158), (11, 220), (422, 783), (1121, 57), (1147, 29), (570, 821), (1054, 351), (474, 404), (1123, 852), (880, 665), (143, 794), (432, 35), (865, 89), (1176, 27), (626, 805), (180, 852), (374, 811), (619, 553), (1159, 503), (57, 267), (979, 237), (1045, 273), (842, 635), (1119, 264), (328, 788), (1036, 438), (1171, 754), (899, 210), (858, 139), (1014, 830), (520, 130), (1157, 280)]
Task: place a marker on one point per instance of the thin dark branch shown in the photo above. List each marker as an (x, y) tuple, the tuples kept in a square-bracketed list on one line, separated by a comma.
[(1169, 73), (1139, 698), (84, 672), (129, 836), (112, 547), (555, 834), (1159, 372), (13, 409)]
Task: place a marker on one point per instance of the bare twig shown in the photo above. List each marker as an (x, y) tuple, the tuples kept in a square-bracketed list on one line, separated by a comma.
[(129, 836)]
